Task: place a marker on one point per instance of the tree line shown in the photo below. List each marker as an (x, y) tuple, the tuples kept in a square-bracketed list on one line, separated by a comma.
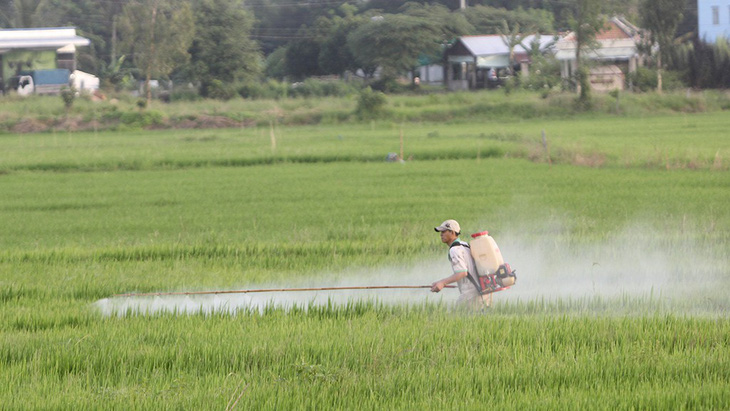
[(214, 43)]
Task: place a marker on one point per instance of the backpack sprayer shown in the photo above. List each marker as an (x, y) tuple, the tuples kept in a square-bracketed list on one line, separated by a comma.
[(493, 274)]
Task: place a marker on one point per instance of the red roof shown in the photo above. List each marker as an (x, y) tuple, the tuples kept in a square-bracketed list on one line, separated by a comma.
[(612, 32), (617, 28)]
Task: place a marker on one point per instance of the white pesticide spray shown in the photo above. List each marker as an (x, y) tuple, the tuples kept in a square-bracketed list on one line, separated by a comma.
[(636, 271), (419, 274)]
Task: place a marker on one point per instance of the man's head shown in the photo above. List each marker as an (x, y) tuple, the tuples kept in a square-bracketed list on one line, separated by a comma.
[(449, 230)]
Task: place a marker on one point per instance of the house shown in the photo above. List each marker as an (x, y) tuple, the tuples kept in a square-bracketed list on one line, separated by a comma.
[(713, 19), (618, 47), (37, 49), (472, 60)]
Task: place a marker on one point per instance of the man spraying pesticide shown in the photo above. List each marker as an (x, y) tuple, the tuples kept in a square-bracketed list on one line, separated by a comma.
[(478, 268), (478, 271)]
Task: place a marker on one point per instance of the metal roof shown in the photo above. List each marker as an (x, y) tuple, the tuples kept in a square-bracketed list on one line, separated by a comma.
[(42, 38), (494, 44)]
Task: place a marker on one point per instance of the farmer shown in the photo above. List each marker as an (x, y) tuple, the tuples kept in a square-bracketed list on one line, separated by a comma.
[(462, 265)]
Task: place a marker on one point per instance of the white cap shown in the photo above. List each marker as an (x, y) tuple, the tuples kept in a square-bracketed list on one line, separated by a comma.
[(449, 225)]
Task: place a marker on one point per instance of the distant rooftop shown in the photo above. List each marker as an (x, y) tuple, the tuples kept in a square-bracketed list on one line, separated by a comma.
[(617, 41), (494, 44), (40, 38), (617, 28)]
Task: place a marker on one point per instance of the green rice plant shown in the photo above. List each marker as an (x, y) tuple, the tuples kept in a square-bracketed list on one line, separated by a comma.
[(85, 216)]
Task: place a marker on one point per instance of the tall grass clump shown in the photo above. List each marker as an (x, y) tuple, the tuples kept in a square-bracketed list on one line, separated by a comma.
[(370, 104)]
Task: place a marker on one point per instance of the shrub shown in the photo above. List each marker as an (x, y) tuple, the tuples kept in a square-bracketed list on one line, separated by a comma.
[(141, 118), (645, 79), (338, 88), (322, 88), (218, 90), (370, 103), (185, 95), (544, 76), (390, 85), (68, 95), (307, 88), (272, 89)]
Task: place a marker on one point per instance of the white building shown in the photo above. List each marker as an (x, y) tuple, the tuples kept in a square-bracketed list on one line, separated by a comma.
[(471, 59), (618, 49), (713, 19), (37, 49)]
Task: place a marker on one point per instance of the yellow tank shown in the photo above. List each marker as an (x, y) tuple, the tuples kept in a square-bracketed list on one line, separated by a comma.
[(488, 259), (486, 253)]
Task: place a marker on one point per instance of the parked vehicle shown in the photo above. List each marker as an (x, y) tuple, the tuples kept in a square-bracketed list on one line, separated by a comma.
[(40, 81)]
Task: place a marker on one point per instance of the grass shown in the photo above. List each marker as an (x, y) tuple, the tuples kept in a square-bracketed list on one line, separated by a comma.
[(669, 142), (85, 216), (23, 115), (365, 356)]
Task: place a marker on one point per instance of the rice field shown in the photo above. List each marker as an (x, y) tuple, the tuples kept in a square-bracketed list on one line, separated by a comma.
[(619, 229)]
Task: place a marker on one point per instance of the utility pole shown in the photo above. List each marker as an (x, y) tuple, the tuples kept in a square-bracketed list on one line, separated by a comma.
[(463, 4)]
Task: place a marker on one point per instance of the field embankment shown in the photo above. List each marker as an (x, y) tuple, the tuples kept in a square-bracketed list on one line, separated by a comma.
[(47, 114)]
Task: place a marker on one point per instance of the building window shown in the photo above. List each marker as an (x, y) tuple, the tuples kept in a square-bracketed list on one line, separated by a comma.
[(715, 15)]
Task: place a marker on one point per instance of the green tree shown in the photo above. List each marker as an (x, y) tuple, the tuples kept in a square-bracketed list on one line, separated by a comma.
[(157, 34), (334, 55), (511, 37), (276, 63), (661, 18), (93, 19), (451, 24), (394, 42), (302, 58), (489, 20), (278, 22), (222, 48), (586, 22), (322, 47), (20, 13)]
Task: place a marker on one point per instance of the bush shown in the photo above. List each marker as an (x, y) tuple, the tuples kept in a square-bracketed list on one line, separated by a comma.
[(308, 88), (185, 95), (645, 79), (68, 95), (390, 85), (218, 90), (370, 103), (272, 89), (321, 88), (141, 118), (511, 84), (544, 76)]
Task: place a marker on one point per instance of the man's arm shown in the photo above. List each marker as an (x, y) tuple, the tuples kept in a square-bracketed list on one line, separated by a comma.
[(439, 285)]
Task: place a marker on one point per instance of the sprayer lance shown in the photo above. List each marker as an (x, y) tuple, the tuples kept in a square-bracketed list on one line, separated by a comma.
[(271, 290)]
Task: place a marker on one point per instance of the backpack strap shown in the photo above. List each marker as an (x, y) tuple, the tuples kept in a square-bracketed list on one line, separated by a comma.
[(468, 274), (459, 243)]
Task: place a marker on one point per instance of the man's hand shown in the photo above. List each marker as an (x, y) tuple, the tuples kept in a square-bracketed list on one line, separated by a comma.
[(437, 286)]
